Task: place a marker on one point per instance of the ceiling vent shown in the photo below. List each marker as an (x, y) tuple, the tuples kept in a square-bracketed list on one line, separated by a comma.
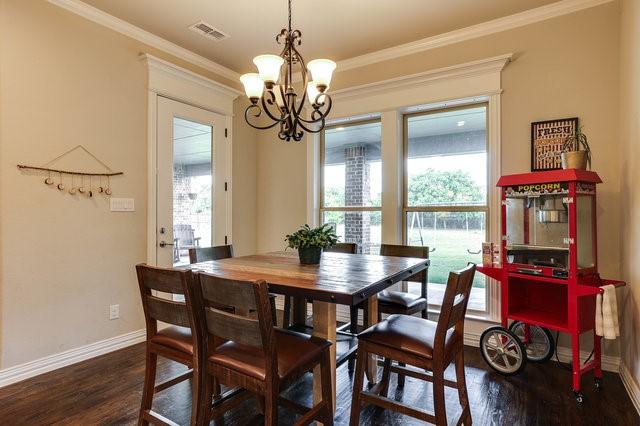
[(208, 31)]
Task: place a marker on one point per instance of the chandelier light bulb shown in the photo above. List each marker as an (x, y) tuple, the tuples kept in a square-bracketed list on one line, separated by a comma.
[(269, 68), (253, 86), (313, 92), (321, 72)]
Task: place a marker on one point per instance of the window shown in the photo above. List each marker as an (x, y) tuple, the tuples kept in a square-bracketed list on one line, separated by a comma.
[(445, 193), (351, 183)]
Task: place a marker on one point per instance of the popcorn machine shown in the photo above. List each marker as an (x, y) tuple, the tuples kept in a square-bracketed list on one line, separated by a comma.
[(548, 273)]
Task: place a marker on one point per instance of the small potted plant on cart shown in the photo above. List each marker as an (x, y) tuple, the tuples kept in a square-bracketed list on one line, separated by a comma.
[(311, 241), (572, 156)]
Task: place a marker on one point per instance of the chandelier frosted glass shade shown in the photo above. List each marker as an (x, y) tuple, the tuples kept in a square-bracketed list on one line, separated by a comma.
[(321, 72), (253, 85), (269, 68)]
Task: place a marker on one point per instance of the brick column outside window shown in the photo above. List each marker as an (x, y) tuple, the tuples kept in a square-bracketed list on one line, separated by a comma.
[(357, 193)]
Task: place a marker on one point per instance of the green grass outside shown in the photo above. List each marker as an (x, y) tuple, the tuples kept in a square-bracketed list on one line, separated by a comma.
[(451, 251)]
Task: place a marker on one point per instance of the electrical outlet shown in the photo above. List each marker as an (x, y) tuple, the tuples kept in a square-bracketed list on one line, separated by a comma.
[(114, 312)]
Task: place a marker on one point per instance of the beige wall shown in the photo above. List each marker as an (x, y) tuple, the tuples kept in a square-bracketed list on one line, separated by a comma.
[(563, 67), (281, 190), (65, 81), (630, 200)]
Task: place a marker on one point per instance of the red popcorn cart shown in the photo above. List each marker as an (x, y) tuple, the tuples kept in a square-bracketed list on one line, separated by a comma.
[(549, 271)]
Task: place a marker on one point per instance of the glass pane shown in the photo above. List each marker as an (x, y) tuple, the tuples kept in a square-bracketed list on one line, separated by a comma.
[(447, 158), (352, 166), (362, 228), (454, 239), (584, 208), (192, 194)]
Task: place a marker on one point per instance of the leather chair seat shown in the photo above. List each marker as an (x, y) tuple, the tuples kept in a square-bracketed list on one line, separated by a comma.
[(175, 337), (293, 350), (400, 298), (406, 333)]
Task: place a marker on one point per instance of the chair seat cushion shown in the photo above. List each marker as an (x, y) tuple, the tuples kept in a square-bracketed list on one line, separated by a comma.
[(175, 337), (401, 299), (292, 349), (406, 333)]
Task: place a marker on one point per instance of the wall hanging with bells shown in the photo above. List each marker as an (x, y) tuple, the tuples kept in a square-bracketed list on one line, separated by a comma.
[(73, 181)]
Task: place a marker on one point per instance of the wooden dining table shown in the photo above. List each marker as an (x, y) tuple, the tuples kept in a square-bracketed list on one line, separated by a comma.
[(340, 278)]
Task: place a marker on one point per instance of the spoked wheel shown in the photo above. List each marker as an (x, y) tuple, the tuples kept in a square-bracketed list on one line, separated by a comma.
[(502, 350), (538, 345)]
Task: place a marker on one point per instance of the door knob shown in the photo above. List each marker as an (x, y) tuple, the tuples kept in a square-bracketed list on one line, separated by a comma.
[(164, 244)]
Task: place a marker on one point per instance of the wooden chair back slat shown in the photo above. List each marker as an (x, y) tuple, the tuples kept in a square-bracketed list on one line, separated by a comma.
[(408, 251), (350, 248), (160, 279), (205, 254), (220, 292), (454, 303), (234, 327), (168, 311)]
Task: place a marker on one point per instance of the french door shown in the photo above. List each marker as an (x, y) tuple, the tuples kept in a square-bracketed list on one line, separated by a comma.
[(191, 199)]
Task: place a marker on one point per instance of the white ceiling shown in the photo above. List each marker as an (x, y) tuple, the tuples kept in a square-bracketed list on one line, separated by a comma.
[(336, 29)]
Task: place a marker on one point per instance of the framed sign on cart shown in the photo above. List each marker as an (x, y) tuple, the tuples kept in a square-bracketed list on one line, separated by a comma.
[(547, 140)]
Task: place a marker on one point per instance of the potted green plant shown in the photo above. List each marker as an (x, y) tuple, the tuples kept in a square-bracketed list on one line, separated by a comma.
[(577, 159), (310, 241)]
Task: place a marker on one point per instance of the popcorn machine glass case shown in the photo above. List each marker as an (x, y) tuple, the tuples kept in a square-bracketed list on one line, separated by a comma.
[(538, 235)]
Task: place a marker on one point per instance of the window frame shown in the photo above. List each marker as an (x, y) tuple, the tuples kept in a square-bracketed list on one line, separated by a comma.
[(485, 208), (322, 208)]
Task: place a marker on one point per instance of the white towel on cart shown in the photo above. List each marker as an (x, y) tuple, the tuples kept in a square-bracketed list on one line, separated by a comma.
[(607, 313)]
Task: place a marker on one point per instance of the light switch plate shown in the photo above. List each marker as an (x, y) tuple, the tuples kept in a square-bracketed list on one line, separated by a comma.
[(122, 204)]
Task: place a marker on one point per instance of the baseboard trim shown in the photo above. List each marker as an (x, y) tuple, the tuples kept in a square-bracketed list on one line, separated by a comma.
[(53, 362), (630, 384), (609, 363)]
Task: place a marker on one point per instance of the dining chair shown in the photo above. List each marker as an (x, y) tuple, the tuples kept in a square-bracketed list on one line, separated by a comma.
[(204, 254), (425, 344), (350, 248), (255, 355), (175, 342)]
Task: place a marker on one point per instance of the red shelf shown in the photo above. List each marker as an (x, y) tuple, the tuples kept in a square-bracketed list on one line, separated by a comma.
[(490, 271), (552, 320)]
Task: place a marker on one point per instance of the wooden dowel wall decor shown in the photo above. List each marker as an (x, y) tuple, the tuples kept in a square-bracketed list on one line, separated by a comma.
[(76, 177)]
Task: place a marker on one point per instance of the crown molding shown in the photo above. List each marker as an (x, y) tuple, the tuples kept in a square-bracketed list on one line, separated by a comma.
[(542, 13), (98, 16), (467, 69), (156, 63)]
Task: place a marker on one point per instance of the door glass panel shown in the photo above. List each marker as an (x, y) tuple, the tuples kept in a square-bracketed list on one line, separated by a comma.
[(362, 228), (454, 238), (192, 187)]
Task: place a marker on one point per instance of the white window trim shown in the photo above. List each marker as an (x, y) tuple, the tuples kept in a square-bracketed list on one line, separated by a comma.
[(468, 82), (173, 82)]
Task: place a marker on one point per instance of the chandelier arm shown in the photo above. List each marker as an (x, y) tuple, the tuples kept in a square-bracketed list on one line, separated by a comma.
[(300, 123), (272, 101), (318, 114), (256, 115)]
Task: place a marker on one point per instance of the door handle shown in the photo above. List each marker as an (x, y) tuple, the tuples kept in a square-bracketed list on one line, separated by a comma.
[(474, 252), (164, 244)]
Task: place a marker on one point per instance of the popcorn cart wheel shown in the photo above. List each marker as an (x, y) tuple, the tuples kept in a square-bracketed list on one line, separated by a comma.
[(503, 351), (538, 341)]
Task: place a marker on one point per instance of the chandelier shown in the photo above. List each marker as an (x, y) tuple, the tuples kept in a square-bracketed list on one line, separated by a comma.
[(271, 90)]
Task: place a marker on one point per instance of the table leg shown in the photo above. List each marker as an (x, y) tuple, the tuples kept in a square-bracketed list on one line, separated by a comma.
[(299, 311), (324, 326), (372, 317)]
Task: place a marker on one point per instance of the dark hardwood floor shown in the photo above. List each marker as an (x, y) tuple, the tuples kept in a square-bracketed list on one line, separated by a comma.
[(107, 390)]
